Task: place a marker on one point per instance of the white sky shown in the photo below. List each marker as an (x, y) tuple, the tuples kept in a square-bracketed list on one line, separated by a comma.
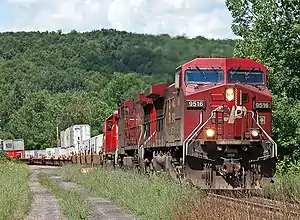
[(208, 18)]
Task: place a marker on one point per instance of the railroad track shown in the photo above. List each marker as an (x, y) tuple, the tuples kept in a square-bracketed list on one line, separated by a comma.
[(46, 162), (261, 203)]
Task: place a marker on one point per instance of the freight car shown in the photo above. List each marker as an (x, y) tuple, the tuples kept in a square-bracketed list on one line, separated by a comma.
[(93, 145), (14, 148), (72, 138), (212, 126)]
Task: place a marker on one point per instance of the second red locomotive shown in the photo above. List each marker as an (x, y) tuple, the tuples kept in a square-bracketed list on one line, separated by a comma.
[(213, 126)]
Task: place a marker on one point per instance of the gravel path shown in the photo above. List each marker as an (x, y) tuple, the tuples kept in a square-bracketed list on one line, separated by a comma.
[(44, 206), (102, 209)]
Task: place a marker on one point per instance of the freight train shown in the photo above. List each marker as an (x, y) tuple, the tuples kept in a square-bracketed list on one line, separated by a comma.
[(74, 140), (213, 126)]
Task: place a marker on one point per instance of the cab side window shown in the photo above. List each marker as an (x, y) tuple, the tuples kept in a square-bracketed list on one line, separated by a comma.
[(109, 126)]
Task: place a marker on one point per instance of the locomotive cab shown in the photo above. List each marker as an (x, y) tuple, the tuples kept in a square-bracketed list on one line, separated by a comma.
[(227, 122), (110, 132)]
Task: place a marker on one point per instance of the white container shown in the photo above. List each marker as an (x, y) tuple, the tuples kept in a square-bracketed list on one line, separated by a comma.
[(28, 153), (18, 144), (85, 146), (12, 145), (99, 143), (56, 152), (8, 145), (74, 137), (92, 145), (62, 152), (96, 143), (62, 140), (79, 133), (40, 153), (67, 137), (50, 152)]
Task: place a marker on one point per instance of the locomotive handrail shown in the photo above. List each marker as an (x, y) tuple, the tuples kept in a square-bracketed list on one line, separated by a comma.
[(147, 140), (195, 131), (274, 147), (200, 126), (140, 138)]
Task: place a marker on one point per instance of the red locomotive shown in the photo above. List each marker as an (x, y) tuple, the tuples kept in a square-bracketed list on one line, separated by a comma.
[(213, 126)]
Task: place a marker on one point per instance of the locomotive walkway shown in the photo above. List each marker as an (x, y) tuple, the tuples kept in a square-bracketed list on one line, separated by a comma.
[(45, 206)]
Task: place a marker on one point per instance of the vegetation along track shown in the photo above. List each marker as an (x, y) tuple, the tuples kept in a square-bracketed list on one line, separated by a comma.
[(253, 198), (260, 203), (250, 198)]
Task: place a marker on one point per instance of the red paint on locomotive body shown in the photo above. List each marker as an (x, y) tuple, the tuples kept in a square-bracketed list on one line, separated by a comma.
[(15, 153), (110, 130), (215, 119), (230, 125)]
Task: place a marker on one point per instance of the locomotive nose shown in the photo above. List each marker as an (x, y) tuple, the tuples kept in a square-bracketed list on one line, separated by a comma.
[(234, 121)]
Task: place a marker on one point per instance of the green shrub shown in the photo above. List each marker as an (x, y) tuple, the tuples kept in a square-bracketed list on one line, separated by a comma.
[(15, 196), (287, 167)]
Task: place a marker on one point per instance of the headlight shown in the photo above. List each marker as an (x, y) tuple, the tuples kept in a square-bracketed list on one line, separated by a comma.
[(229, 94), (254, 133), (210, 132)]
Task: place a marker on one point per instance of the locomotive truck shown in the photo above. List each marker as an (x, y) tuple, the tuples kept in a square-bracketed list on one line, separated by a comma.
[(213, 126)]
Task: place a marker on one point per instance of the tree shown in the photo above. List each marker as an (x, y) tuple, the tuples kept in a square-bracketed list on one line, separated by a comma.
[(36, 120), (270, 32), (51, 79), (124, 86)]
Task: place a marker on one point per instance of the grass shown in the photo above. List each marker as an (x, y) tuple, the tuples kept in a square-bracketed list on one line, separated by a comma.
[(213, 209), (286, 188), (72, 204), (149, 198), (15, 196), (160, 198)]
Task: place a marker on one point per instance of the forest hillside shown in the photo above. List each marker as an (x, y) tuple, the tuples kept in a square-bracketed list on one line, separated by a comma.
[(51, 79)]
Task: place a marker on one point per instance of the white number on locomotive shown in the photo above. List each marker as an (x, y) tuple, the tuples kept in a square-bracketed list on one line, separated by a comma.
[(199, 103), (262, 105)]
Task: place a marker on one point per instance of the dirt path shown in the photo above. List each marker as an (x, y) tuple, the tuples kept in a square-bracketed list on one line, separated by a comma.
[(101, 207), (44, 206)]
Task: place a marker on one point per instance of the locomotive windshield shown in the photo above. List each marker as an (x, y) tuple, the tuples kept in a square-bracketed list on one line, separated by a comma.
[(204, 76), (246, 76)]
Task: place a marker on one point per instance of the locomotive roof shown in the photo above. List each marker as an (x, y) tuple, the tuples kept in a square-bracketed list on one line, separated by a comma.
[(223, 62)]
